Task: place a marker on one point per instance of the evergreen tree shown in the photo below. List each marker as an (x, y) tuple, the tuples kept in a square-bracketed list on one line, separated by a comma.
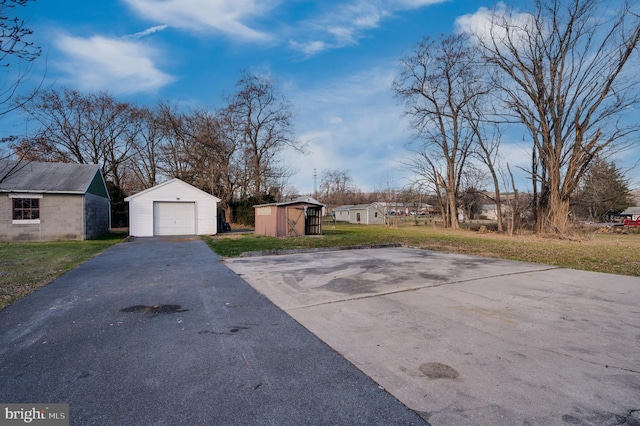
[(602, 191)]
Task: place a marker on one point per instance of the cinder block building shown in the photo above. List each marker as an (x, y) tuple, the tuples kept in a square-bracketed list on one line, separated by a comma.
[(52, 201)]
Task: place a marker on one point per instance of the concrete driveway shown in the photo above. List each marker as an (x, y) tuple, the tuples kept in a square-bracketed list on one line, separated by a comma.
[(466, 340), (159, 332)]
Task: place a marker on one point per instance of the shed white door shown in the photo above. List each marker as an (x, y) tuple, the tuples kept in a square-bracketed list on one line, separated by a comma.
[(174, 218)]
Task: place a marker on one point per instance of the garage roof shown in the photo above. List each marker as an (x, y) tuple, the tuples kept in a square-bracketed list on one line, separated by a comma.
[(172, 181)]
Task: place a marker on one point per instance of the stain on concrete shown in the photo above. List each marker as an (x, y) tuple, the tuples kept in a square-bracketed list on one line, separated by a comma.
[(353, 285), (436, 370)]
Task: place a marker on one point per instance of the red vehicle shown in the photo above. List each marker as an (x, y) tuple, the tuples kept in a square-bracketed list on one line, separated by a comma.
[(631, 222)]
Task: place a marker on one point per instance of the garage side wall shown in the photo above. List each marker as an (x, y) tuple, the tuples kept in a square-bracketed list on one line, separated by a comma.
[(207, 216), (97, 216)]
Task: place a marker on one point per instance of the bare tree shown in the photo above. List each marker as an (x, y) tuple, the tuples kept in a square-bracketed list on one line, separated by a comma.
[(14, 34), (218, 144), (486, 148), (513, 206), (90, 128), (212, 151), (15, 49), (473, 193), (144, 163), (424, 165), (174, 158), (336, 188), (437, 83), (565, 70), (267, 129)]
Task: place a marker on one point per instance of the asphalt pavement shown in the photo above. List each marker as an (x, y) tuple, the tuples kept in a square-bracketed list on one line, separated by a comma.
[(157, 331)]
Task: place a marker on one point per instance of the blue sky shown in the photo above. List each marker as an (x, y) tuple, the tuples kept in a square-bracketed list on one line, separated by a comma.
[(334, 60)]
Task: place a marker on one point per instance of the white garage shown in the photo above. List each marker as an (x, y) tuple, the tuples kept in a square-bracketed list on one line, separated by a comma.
[(172, 208)]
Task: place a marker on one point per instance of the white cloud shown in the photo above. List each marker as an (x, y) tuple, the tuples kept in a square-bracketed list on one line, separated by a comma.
[(345, 24), (309, 48), (333, 25), (490, 25), (148, 31), (117, 65), (225, 16)]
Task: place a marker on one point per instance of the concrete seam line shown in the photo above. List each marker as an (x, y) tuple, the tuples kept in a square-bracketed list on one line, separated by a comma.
[(386, 293)]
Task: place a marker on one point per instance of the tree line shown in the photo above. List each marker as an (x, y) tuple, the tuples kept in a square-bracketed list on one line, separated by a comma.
[(232, 152)]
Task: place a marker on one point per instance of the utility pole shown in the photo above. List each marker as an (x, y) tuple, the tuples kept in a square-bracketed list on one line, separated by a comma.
[(315, 183)]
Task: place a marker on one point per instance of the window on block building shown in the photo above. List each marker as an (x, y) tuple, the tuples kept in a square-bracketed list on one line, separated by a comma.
[(26, 208)]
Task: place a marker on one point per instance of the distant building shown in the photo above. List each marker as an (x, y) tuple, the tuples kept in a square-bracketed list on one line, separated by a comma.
[(341, 213), (366, 214), (632, 212)]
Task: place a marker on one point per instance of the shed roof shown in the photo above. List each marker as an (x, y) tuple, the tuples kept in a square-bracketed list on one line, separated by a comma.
[(33, 176), (363, 207), (299, 200)]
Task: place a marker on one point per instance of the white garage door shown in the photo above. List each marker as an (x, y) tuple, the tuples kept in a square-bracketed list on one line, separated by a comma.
[(174, 218)]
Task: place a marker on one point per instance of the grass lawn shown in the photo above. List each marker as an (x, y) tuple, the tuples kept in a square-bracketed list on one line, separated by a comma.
[(610, 253), (25, 267)]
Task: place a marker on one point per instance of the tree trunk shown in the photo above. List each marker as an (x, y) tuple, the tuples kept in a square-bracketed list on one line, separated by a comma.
[(498, 198), (559, 213), (228, 213), (453, 210)]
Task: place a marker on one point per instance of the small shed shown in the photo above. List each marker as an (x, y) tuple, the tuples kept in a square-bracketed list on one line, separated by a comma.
[(172, 208), (295, 218), (42, 201), (367, 214)]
